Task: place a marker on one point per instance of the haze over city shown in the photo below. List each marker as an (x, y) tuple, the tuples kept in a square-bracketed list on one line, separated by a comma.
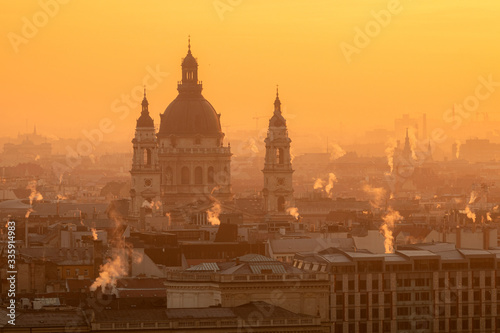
[(73, 69)]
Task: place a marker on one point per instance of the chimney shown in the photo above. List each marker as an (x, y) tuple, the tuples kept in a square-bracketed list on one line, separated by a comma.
[(459, 238), (98, 256)]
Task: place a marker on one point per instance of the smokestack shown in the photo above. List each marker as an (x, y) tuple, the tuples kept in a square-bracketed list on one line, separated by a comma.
[(26, 232), (98, 256)]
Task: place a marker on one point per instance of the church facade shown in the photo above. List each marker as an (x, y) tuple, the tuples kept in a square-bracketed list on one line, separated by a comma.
[(186, 160)]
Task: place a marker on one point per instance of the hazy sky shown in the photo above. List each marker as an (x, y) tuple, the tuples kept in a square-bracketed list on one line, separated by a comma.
[(72, 71)]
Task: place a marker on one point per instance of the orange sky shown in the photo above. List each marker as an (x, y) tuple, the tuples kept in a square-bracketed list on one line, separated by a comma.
[(66, 77)]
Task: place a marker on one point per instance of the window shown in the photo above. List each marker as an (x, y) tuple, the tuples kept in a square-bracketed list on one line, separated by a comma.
[(403, 297), (363, 298), (375, 328), (375, 313), (340, 314), (198, 175), (340, 299), (375, 284), (403, 311), (387, 313), (362, 285), (464, 282), (442, 325), (465, 324), (77, 271), (279, 156), (363, 315), (351, 314), (374, 298), (68, 273), (185, 176), (147, 157), (465, 296), (210, 175), (86, 272), (453, 311), (404, 325), (350, 285), (350, 299), (387, 298)]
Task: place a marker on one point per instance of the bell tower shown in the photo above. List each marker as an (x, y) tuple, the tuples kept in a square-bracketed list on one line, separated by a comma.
[(145, 189), (278, 189)]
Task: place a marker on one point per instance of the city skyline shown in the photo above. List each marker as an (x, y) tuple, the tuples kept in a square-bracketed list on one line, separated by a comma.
[(314, 51)]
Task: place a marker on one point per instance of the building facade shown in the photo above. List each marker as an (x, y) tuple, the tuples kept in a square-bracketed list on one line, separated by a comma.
[(419, 288), (187, 159)]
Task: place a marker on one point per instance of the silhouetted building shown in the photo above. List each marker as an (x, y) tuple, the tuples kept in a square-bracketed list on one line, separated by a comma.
[(186, 160), (278, 190)]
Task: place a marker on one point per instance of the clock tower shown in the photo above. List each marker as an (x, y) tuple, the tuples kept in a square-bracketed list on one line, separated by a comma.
[(145, 187), (278, 190)]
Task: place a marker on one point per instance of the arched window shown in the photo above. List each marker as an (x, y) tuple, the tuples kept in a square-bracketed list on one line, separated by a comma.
[(198, 175), (281, 204), (280, 158), (210, 175), (185, 175), (147, 157)]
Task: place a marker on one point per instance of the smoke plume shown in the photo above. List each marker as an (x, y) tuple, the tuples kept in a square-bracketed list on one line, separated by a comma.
[(213, 213), (387, 228), (294, 211)]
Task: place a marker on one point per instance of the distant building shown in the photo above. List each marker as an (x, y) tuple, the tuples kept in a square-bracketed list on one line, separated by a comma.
[(278, 187), (186, 160)]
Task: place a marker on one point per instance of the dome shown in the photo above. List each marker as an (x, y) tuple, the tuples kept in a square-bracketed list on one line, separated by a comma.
[(190, 115), (145, 120), (189, 60)]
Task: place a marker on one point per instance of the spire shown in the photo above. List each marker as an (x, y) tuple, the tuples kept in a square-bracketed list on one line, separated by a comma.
[(407, 148), (34, 129), (145, 119), (145, 103), (277, 102), (189, 43)]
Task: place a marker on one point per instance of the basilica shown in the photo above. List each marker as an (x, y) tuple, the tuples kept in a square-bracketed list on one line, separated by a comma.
[(188, 161)]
